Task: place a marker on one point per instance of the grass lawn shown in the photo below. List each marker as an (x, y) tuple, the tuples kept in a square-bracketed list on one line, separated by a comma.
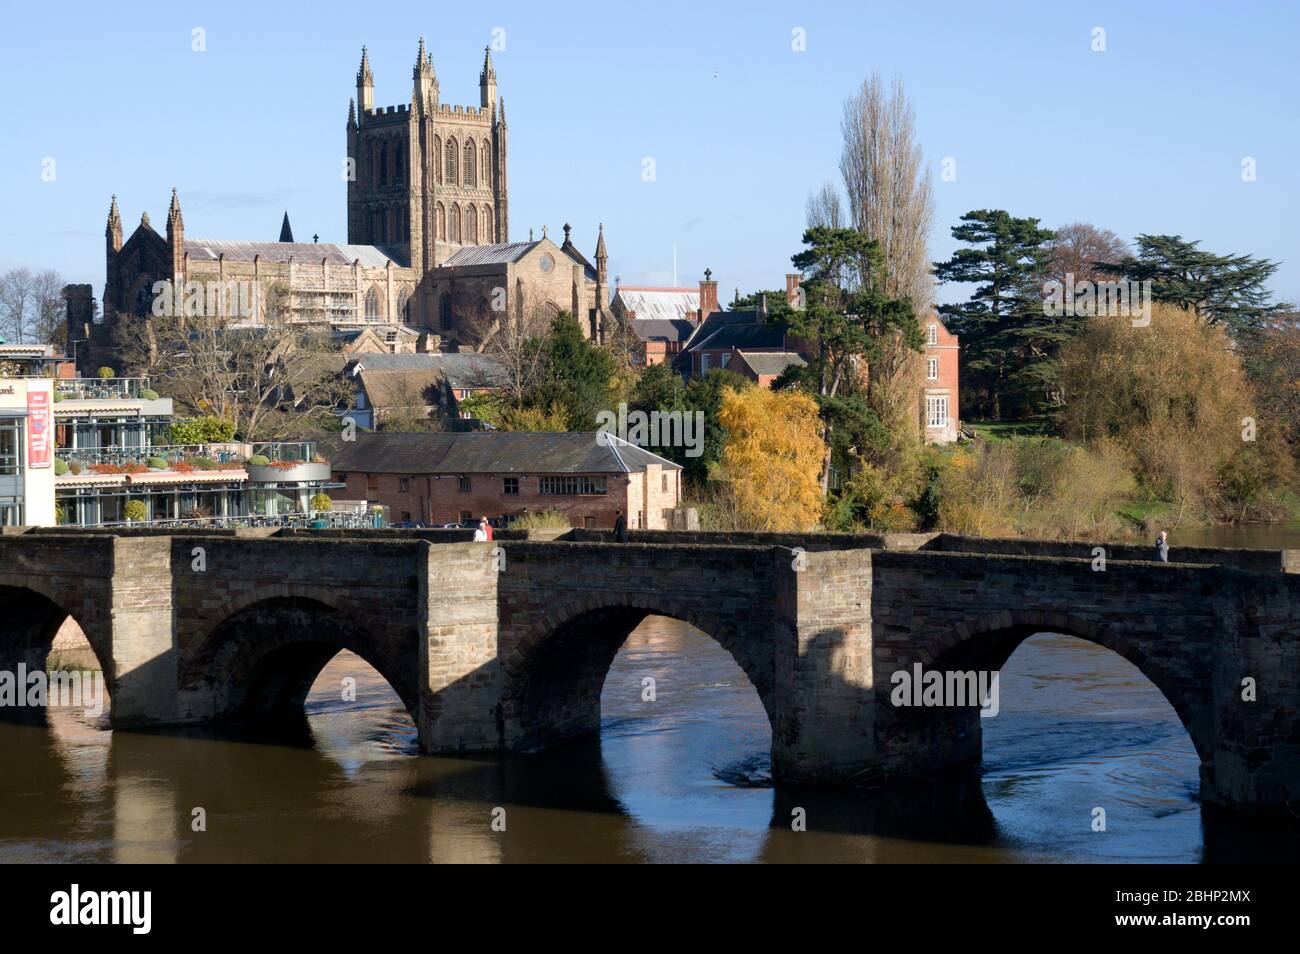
[(1001, 430)]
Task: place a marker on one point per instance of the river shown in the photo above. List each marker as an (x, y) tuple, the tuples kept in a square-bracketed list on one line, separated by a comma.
[(683, 778)]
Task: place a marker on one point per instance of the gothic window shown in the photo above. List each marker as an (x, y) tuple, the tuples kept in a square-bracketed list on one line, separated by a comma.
[(383, 164), (471, 225), (445, 312), (452, 177), (372, 305), (440, 217), (487, 225), (470, 152), (404, 305), (453, 226), (437, 152), (485, 168)]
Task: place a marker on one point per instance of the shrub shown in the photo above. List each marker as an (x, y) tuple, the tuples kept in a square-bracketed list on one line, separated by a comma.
[(60, 467), (259, 460), (202, 463), (183, 467), (148, 394), (156, 463), (106, 372), (321, 501), (58, 395), (135, 511), (74, 466), (209, 429), (542, 520)]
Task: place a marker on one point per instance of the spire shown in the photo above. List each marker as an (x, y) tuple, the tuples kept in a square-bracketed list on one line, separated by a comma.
[(424, 94), (174, 212), (487, 81), (352, 111), (113, 231), (365, 87), (501, 110), (286, 233), (602, 256), (144, 220)]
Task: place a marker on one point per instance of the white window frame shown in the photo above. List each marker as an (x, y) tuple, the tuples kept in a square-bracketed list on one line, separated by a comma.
[(932, 369), (933, 334), (936, 410)]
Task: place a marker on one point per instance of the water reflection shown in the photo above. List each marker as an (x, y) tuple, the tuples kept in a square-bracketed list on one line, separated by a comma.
[(684, 776)]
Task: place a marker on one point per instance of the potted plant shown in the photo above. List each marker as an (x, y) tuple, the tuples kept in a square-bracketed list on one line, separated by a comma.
[(135, 511)]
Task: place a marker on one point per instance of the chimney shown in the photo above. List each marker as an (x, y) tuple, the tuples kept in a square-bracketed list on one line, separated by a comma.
[(792, 289), (708, 295)]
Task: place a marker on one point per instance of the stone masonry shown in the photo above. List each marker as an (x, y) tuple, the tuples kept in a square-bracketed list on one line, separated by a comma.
[(504, 646)]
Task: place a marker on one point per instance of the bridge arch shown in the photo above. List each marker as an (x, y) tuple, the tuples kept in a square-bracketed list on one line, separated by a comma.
[(554, 676), (33, 612), (260, 659), (985, 643)]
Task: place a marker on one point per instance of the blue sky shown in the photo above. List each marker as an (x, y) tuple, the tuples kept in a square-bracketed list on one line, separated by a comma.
[(1148, 136)]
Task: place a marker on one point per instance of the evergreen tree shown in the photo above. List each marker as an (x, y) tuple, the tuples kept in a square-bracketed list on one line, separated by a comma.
[(1223, 289), (578, 376), (1009, 343)]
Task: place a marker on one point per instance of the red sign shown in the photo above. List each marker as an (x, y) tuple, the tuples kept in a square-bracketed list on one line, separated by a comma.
[(40, 430)]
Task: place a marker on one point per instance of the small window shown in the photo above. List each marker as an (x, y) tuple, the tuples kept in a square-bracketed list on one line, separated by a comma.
[(665, 476), (933, 334), (372, 484), (466, 517), (464, 485), (404, 484), (932, 369), (406, 516), (340, 478), (512, 486)]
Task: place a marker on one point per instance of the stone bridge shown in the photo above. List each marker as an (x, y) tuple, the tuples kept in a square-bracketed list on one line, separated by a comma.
[(505, 646)]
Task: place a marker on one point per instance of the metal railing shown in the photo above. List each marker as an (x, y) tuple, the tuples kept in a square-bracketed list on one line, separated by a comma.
[(231, 452), (333, 519), (100, 389)]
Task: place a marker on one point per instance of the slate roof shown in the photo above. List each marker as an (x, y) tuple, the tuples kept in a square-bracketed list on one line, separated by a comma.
[(489, 452), (235, 250), (770, 362), (661, 329), (490, 254), (462, 370), (741, 336)]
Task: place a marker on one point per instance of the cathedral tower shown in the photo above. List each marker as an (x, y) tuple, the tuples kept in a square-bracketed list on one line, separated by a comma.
[(427, 178)]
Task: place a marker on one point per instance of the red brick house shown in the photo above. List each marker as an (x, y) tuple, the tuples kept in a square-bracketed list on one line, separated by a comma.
[(941, 411), (444, 477), (763, 367)]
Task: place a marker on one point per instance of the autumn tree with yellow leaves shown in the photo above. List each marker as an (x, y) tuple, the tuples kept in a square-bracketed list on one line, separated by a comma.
[(772, 460)]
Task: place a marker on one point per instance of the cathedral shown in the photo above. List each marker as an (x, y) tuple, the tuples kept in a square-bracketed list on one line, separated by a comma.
[(428, 258)]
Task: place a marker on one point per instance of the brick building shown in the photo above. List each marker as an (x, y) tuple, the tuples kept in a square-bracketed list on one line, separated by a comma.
[(443, 477), (941, 410)]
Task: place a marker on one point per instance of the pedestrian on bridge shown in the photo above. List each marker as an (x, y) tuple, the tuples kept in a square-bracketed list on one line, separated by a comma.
[(620, 528), (1162, 546)]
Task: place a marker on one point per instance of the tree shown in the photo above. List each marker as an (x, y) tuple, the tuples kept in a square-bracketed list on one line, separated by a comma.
[(513, 336), (1272, 360), (1009, 343), (266, 379), (1081, 250), (577, 375), (661, 389), (772, 457), (848, 318), (1223, 289), (823, 208), (202, 430), (891, 195)]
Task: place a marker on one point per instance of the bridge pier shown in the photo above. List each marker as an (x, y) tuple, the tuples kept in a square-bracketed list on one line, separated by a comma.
[(142, 679)]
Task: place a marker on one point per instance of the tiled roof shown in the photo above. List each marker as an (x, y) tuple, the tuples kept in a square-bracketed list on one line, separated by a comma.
[(489, 452), (235, 250), (463, 370)]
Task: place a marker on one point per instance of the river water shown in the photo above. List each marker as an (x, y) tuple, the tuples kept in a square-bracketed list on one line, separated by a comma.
[(683, 778)]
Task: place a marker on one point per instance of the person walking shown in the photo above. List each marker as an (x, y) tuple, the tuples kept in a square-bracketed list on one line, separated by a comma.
[(486, 528), (480, 535), (1162, 546), (620, 528)]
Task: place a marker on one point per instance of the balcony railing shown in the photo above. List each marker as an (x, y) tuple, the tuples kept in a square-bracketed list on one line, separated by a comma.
[(233, 453), (100, 389), (333, 519)]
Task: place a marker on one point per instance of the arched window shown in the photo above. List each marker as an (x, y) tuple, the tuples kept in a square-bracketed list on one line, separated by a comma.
[(486, 231), (383, 164), (372, 305), (485, 168), (453, 225), (445, 312), (452, 178), (470, 152), (437, 152), (404, 305), (471, 225), (440, 221)]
